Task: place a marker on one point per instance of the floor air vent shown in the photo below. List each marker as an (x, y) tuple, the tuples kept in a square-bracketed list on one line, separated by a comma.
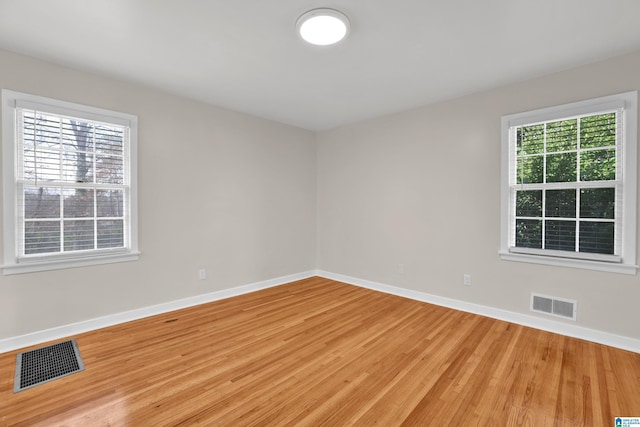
[(46, 364), (554, 306)]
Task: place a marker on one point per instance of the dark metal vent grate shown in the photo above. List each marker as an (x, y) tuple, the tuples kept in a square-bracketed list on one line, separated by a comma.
[(46, 364)]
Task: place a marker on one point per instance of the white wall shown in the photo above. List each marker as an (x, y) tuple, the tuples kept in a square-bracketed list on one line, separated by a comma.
[(422, 188), (217, 189), (419, 188)]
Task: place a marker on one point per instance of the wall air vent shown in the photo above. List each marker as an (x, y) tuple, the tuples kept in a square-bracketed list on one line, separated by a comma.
[(554, 306)]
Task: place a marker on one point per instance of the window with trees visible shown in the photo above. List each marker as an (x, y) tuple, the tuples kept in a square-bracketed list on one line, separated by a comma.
[(569, 185), (70, 195)]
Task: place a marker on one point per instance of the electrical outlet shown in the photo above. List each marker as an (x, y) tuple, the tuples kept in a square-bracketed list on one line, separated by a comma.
[(466, 279), (202, 274), (401, 269)]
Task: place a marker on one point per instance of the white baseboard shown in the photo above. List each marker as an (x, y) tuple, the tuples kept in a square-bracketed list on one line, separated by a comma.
[(593, 335), (39, 337)]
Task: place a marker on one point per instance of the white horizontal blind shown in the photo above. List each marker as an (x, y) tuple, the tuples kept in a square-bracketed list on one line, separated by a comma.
[(566, 190), (72, 185)]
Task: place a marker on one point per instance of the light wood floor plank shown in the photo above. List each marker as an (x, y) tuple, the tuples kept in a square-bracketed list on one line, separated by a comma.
[(320, 352)]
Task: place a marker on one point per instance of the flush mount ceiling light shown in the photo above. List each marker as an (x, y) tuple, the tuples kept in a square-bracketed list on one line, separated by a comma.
[(323, 27)]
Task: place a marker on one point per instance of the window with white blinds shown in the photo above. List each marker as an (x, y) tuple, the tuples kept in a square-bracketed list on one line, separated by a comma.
[(72, 193), (569, 185)]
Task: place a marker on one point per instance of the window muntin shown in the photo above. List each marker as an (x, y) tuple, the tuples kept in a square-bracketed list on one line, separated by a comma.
[(566, 183), (72, 184), (569, 185), (69, 184)]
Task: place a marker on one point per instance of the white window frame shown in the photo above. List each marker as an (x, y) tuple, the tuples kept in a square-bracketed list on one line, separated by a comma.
[(626, 262), (13, 264)]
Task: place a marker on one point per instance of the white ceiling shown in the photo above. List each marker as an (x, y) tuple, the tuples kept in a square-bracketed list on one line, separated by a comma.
[(245, 55)]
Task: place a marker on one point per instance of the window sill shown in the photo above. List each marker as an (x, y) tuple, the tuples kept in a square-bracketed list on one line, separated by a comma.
[(610, 267), (31, 267)]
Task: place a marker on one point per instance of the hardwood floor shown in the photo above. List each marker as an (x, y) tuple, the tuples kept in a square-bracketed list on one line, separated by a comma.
[(319, 352)]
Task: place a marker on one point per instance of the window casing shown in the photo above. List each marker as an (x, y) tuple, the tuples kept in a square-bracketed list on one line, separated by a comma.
[(69, 184), (569, 185)]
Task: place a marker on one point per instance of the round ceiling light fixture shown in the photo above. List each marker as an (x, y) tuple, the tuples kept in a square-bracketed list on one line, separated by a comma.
[(323, 27)]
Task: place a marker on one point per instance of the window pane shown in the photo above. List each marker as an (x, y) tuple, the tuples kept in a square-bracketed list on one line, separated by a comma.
[(530, 170), (560, 235), (41, 202), (78, 203), (529, 203), (41, 131), (597, 237), (560, 203), (529, 233), (110, 203), (598, 131), (110, 170), (598, 165), (110, 234), (78, 235), (77, 166), (562, 136), (109, 140), (530, 140), (41, 237), (561, 167), (597, 203), (41, 165), (77, 135)]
